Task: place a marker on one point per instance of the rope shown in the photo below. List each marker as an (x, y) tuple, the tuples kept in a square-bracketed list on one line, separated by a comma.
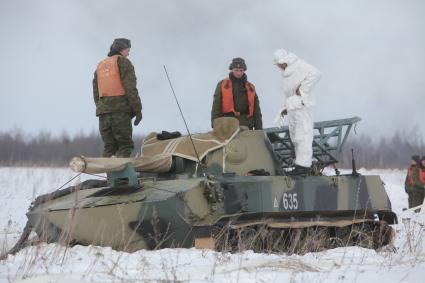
[(69, 181), (100, 176)]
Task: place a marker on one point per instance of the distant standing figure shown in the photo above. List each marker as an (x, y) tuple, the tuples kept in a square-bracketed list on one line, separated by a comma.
[(419, 189), (117, 100), (412, 174), (299, 79), (236, 97)]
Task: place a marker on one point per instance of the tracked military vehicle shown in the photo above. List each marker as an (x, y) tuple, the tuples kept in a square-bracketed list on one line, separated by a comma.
[(226, 190)]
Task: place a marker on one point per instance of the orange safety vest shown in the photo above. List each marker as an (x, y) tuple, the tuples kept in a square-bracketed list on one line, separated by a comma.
[(108, 77), (227, 104), (409, 180), (421, 176)]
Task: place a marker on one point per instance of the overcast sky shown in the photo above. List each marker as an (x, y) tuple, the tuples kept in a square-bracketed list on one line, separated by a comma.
[(371, 55)]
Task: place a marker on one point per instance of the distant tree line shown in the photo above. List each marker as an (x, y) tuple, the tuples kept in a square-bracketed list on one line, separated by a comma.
[(44, 149), (394, 152)]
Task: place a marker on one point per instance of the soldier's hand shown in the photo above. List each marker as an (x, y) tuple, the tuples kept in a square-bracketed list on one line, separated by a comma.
[(138, 119)]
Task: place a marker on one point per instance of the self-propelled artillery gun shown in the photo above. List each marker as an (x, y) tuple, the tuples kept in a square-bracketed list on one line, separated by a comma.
[(227, 190)]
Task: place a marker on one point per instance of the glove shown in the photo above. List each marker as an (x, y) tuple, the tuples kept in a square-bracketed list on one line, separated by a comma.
[(138, 119)]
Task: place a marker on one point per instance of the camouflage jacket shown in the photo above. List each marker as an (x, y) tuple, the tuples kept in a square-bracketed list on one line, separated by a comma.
[(240, 99), (419, 184), (411, 178), (130, 102)]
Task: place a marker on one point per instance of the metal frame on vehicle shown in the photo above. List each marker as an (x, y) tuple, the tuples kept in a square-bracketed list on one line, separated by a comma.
[(329, 138)]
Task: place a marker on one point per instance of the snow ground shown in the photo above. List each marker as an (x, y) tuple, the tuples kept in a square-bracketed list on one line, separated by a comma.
[(55, 263)]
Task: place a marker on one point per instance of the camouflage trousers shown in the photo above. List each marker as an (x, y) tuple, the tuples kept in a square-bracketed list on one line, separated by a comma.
[(116, 132), (416, 197)]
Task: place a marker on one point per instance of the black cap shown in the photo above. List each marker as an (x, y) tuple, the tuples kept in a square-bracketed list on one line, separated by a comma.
[(118, 45), (416, 158), (238, 63)]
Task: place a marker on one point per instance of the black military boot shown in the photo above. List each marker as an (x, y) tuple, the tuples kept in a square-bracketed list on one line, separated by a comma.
[(299, 170)]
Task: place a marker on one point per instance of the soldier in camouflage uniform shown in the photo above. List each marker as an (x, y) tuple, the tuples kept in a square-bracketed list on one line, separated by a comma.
[(412, 173), (236, 97), (117, 100), (418, 191)]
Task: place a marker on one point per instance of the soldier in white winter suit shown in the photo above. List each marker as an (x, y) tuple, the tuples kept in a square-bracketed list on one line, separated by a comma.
[(299, 78)]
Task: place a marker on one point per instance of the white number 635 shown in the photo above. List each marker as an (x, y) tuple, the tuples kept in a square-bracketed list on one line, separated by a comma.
[(290, 201)]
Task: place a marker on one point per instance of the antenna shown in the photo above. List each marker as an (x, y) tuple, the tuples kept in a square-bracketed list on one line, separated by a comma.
[(184, 120), (353, 164)]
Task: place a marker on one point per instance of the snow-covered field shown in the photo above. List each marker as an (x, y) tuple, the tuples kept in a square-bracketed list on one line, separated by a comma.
[(55, 263)]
